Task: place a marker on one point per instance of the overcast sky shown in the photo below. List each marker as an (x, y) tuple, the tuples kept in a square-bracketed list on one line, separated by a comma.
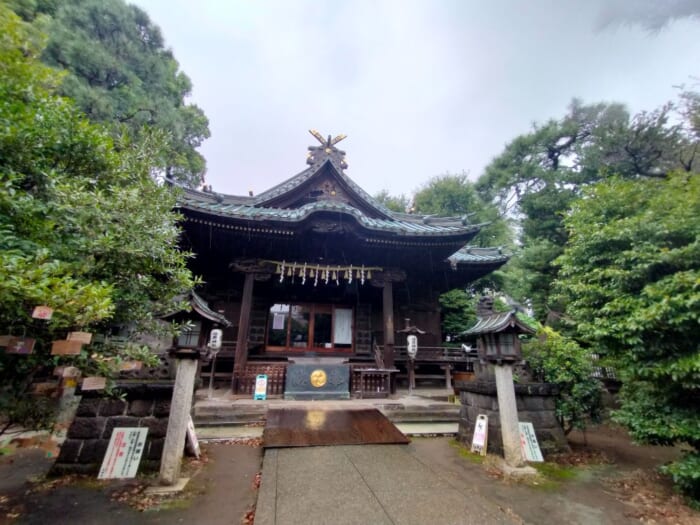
[(421, 88)]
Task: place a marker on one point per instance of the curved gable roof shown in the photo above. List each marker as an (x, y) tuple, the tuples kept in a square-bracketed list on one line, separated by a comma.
[(299, 197)]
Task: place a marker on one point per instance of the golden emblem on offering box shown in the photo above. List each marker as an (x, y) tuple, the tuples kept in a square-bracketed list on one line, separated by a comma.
[(318, 378)]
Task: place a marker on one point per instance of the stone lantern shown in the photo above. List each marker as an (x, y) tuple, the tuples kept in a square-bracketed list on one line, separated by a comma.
[(498, 344), (497, 337)]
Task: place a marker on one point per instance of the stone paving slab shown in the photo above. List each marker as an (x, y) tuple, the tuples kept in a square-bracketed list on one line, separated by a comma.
[(366, 484)]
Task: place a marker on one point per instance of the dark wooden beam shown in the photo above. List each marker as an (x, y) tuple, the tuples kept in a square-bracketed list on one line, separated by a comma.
[(241, 357), (388, 315)]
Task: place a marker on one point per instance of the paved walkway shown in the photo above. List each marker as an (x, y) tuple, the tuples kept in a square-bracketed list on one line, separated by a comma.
[(366, 484)]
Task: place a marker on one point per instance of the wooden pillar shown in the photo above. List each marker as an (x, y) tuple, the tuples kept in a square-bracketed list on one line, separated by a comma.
[(241, 357), (388, 314)]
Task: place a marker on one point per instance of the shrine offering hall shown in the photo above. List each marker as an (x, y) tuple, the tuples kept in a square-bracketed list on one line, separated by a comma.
[(314, 276)]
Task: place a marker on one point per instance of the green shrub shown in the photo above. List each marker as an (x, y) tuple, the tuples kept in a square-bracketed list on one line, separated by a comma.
[(557, 359)]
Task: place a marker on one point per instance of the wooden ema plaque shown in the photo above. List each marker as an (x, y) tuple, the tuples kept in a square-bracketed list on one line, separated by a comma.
[(42, 312), (20, 345), (83, 337), (5, 340), (94, 383), (66, 347), (130, 366)]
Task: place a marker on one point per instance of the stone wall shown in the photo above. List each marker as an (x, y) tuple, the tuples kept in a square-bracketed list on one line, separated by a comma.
[(141, 405), (535, 405)]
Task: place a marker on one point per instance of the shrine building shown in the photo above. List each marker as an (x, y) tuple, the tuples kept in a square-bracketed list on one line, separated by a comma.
[(316, 269)]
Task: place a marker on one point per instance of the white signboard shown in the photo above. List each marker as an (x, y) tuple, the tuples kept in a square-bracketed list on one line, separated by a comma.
[(528, 443), (192, 443), (481, 431), (123, 453), (260, 387)]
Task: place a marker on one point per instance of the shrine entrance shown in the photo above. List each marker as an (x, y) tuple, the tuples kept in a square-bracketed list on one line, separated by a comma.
[(301, 328)]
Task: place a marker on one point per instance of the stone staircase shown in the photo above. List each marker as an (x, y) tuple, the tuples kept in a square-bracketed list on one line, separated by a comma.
[(223, 418)]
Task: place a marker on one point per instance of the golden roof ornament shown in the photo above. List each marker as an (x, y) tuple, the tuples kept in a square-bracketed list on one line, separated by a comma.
[(327, 150)]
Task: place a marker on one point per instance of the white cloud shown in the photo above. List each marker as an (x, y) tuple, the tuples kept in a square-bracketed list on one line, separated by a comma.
[(420, 87)]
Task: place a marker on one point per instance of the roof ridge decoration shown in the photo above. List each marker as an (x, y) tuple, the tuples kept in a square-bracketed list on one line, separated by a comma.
[(317, 155), (317, 158)]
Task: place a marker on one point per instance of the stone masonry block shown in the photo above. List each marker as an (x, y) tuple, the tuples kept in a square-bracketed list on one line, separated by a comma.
[(157, 427), (88, 407), (155, 449), (93, 450), (70, 449), (112, 407), (119, 421), (161, 408), (141, 408), (87, 428)]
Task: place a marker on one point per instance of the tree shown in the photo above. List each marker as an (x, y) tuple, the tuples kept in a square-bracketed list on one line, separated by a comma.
[(121, 74), (630, 282), (398, 203), (458, 311), (455, 195), (84, 228), (541, 173)]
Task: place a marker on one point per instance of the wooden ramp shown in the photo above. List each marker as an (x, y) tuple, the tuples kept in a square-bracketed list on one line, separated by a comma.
[(311, 427)]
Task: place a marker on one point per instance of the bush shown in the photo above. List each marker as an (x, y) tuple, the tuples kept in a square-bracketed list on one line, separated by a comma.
[(560, 360), (686, 475)]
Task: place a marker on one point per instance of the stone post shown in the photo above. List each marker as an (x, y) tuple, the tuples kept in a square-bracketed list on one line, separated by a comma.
[(180, 408), (508, 413)]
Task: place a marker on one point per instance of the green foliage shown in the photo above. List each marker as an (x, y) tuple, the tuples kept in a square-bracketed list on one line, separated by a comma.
[(18, 405), (457, 311), (454, 195), (686, 475), (398, 203), (83, 226), (557, 359), (541, 173), (119, 73), (630, 279)]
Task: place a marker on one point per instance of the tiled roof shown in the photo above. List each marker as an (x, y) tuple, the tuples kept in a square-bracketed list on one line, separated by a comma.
[(475, 255), (200, 306), (384, 220), (496, 323), (298, 179), (418, 226)]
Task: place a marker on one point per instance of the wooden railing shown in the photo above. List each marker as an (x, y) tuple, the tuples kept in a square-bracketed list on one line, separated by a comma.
[(371, 382), (437, 354), (275, 372)]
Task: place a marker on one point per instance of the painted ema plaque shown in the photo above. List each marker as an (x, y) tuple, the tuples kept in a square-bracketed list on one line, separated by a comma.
[(123, 453)]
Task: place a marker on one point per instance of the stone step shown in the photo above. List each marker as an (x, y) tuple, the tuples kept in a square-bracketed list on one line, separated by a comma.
[(407, 416), (220, 416)]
